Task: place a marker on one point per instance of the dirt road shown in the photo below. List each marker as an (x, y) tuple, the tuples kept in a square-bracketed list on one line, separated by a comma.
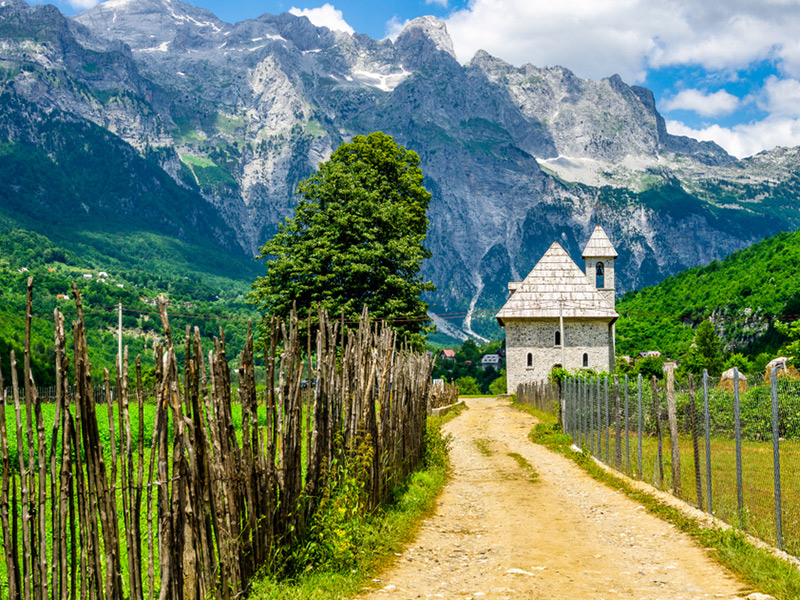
[(497, 534)]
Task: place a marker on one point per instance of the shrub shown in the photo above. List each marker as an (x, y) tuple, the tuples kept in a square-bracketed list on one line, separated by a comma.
[(468, 386)]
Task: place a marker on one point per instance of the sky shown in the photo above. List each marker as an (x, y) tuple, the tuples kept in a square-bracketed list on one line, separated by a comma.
[(727, 71)]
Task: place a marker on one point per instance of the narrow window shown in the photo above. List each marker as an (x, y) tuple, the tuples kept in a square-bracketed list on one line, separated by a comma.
[(600, 276), (530, 359), (585, 359), (558, 338)]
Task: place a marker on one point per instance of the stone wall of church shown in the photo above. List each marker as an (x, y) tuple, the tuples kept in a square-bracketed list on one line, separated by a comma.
[(537, 338)]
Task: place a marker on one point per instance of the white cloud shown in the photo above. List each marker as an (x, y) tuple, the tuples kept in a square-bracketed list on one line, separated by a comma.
[(781, 97), (324, 16), (394, 26), (83, 4), (708, 105), (442, 3), (597, 38), (746, 139)]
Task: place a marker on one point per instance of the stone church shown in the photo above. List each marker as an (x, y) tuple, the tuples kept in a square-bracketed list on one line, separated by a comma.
[(561, 316)]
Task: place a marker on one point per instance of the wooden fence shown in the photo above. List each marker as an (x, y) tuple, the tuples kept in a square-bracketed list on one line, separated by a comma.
[(542, 395), (203, 510)]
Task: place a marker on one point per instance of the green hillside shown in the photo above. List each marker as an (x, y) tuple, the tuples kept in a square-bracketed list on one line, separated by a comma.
[(744, 292), (209, 302), (77, 201)]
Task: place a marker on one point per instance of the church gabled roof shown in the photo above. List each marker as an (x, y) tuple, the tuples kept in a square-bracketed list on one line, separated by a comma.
[(599, 246), (556, 287)]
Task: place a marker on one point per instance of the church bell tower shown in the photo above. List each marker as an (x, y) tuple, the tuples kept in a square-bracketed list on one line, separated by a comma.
[(599, 255)]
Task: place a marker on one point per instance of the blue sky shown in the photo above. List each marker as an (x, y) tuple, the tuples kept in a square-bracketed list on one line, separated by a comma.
[(723, 71)]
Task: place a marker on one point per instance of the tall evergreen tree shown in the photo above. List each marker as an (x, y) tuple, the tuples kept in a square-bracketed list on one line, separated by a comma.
[(706, 352)]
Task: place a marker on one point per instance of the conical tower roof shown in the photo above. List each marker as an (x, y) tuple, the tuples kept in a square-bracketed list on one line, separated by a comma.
[(599, 246), (556, 287)]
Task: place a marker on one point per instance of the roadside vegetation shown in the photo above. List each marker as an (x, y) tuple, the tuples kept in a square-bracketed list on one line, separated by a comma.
[(363, 544)]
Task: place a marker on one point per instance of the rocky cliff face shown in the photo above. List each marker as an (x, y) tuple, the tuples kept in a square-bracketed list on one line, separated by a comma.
[(514, 157)]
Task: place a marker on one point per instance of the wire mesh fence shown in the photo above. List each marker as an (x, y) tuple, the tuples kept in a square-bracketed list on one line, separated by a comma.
[(728, 445)]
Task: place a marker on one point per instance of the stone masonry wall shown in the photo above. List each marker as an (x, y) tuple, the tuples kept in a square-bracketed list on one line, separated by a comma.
[(538, 337)]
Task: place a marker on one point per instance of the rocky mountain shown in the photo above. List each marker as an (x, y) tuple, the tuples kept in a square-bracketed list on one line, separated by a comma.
[(515, 157)]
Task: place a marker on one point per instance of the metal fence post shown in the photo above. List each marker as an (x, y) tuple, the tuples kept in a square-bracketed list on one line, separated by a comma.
[(568, 408), (698, 477), (582, 416), (776, 459), (675, 449), (660, 455), (617, 426), (579, 408), (627, 437), (737, 421), (641, 425), (591, 422), (707, 419), (608, 460)]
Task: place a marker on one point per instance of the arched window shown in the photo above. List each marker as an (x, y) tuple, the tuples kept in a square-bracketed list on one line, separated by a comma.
[(585, 359), (600, 276), (530, 359), (558, 338)]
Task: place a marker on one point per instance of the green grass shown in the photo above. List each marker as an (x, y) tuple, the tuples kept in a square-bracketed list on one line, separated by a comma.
[(756, 567), (483, 446), (198, 161), (523, 463), (758, 517)]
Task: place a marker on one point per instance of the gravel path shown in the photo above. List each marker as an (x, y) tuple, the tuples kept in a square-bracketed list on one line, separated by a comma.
[(497, 534)]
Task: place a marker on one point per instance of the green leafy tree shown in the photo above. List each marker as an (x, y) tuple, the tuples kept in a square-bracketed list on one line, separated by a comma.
[(740, 361), (468, 386), (649, 366), (469, 351), (498, 386), (356, 239), (705, 353), (791, 348)]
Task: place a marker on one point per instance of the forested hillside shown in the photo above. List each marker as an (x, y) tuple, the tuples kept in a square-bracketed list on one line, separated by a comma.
[(209, 302), (742, 294)]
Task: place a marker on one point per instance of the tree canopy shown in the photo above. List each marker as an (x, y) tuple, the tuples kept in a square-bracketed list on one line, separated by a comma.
[(705, 353), (356, 239)]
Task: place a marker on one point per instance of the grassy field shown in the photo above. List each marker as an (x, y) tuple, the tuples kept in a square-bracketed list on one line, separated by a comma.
[(758, 517)]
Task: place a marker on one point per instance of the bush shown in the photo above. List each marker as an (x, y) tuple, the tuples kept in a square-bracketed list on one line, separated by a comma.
[(468, 386), (337, 526), (437, 447), (498, 386)]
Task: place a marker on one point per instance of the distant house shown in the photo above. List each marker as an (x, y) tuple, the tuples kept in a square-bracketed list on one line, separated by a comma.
[(102, 274), (491, 361), (87, 275), (448, 354), (650, 354)]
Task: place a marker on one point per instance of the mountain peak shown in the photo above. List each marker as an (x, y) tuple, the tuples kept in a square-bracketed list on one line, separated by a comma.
[(430, 28), (18, 4)]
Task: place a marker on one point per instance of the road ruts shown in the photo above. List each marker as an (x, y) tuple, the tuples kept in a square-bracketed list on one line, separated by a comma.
[(495, 534)]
